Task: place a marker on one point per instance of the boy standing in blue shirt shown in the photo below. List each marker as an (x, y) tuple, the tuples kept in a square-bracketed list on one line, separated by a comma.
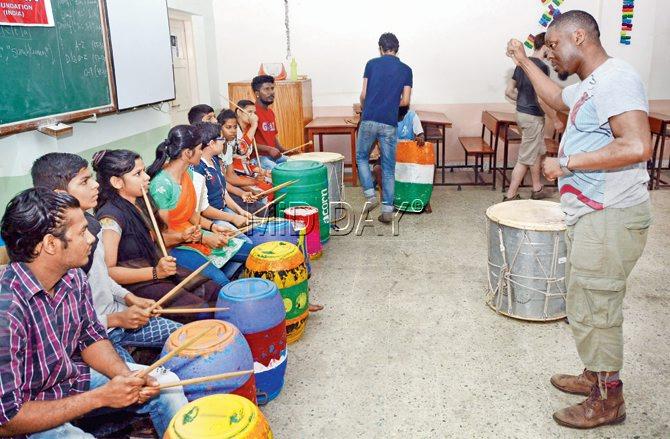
[(387, 85)]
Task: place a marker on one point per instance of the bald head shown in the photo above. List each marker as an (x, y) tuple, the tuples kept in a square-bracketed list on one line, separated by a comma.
[(572, 20)]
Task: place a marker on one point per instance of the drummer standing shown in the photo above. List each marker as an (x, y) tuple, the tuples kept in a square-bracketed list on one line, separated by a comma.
[(387, 85), (601, 169)]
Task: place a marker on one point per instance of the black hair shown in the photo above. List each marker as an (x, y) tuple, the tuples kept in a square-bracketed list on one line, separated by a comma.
[(225, 115), (538, 42), (258, 81), (55, 170), (389, 42), (208, 132), (196, 113), (580, 19), (30, 216), (179, 138), (402, 112), (116, 163)]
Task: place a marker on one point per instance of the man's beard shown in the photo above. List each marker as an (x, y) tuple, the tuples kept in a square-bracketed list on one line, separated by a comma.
[(266, 103)]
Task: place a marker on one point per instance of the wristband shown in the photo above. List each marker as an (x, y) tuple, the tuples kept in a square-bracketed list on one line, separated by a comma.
[(154, 273)]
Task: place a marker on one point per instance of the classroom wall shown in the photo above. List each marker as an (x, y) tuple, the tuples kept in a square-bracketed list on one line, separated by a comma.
[(140, 130), (456, 49)]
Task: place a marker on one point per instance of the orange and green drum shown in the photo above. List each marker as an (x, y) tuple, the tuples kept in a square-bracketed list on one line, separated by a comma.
[(284, 264), (219, 417), (414, 172)]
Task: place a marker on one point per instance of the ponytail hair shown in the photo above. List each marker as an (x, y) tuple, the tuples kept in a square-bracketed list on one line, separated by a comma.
[(179, 138)]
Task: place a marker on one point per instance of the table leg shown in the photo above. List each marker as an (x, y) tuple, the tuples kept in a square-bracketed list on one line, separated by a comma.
[(495, 154), (444, 143), (310, 138), (504, 181), (354, 168), (654, 155), (320, 142)]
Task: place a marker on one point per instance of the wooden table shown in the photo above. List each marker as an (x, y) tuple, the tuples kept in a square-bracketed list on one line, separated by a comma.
[(322, 126), (659, 127), (504, 121), (440, 121)]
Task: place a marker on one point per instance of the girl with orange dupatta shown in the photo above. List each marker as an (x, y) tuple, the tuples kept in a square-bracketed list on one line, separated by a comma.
[(173, 191)]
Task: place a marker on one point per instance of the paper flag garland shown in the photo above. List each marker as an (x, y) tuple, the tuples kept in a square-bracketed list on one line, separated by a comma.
[(626, 21)]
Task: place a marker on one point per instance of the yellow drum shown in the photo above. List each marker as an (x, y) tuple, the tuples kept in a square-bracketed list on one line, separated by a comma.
[(284, 264), (220, 417)]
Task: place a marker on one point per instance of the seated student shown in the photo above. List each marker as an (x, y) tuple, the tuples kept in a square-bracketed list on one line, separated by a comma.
[(125, 315), (223, 210), (409, 126), (244, 159), (57, 364), (266, 138), (201, 113), (172, 189), (131, 254)]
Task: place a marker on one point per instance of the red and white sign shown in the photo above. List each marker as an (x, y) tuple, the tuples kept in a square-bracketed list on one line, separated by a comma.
[(26, 13)]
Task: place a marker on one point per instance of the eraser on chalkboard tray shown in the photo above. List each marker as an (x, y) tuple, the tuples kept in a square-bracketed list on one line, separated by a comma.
[(55, 129)]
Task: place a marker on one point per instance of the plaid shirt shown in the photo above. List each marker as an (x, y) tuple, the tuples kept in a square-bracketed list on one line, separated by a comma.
[(42, 336)]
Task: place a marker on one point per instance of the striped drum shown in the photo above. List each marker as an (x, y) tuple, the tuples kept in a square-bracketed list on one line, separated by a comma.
[(257, 309), (309, 216), (284, 264), (281, 229), (223, 349), (414, 171), (219, 417)]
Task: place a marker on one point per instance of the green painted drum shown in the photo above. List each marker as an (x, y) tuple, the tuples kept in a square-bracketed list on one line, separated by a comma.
[(311, 189), (414, 170)]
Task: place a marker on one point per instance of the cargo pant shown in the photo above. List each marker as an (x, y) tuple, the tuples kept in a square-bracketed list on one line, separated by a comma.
[(603, 247)]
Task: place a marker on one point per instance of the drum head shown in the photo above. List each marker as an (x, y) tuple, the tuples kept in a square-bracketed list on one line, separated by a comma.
[(323, 157), (528, 215)]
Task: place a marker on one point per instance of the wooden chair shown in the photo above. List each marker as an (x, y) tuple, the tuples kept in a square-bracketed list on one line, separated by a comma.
[(553, 143)]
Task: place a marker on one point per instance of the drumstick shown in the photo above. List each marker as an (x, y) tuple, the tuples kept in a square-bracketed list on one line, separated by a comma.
[(268, 205), (189, 310), (159, 237), (221, 376), (178, 287), (257, 158), (276, 188), (240, 231), (161, 361), (298, 147), (234, 104)]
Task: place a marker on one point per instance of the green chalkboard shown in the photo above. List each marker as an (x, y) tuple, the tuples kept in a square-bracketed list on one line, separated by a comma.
[(55, 71)]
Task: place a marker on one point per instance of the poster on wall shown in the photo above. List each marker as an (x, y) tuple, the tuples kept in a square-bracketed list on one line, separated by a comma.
[(26, 13)]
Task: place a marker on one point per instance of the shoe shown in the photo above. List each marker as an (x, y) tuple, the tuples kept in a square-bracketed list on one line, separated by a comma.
[(370, 204), (539, 195), (516, 197), (596, 410), (575, 384), (386, 217)]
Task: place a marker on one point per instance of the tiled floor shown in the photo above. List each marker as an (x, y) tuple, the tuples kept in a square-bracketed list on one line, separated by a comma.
[(406, 346)]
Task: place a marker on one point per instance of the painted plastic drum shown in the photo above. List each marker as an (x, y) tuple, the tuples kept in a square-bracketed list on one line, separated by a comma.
[(283, 263), (257, 309), (219, 417), (223, 349), (414, 172), (309, 216)]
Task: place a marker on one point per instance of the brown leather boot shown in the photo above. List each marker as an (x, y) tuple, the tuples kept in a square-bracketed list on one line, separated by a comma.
[(594, 411), (575, 384)]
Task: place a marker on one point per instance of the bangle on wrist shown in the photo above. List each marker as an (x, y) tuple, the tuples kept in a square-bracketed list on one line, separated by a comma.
[(154, 273)]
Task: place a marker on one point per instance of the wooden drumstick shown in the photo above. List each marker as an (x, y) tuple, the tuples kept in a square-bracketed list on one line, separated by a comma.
[(268, 205), (276, 188), (178, 287), (298, 147), (258, 160), (235, 105), (221, 376), (159, 237), (161, 361)]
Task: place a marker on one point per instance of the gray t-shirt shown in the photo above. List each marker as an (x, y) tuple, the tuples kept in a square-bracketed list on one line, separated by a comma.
[(526, 100), (612, 89)]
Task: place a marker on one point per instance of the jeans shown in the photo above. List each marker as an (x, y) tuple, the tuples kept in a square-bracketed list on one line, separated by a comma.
[(268, 162), (162, 408), (193, 260), (152, 335), (368, 132)]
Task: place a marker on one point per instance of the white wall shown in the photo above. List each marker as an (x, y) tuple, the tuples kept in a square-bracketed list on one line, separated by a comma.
[(659, 84)]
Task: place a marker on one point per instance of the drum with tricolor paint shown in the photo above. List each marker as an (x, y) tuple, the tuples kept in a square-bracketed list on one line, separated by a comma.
[(309, 216), (257, 309), (414, 172), (219, 417), (283, 263), (223, 349), (311, 189)]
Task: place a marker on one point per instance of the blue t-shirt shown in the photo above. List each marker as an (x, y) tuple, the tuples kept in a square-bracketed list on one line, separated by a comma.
[(387, 76), (215, 180)]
